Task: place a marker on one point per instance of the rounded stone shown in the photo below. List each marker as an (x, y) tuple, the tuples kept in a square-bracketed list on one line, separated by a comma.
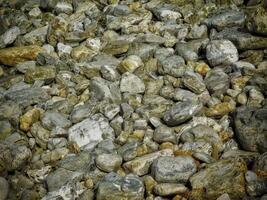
[(108, 162), (4, 188)]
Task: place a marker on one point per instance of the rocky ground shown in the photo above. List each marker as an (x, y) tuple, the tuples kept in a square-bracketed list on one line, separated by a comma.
[(132, 100)]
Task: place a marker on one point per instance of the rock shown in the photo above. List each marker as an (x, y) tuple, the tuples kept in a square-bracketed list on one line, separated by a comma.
[(190, 50), (108, 162), (15, 55), (9, 36), (116, 187), (257, 21), (4, 188), (164, 134), (194, 82), (63, 50), (29, 118), (5, 129), (242, 40), (40, 134), (221, 52), (46, 73), (226, 19), (217, 82), (52, 120), (169, 189), (59, 178), (173, 169), (184, 95), (203, 133), (250, 127), (91, 131), (63, 7), (141, 165), (82, 53), (27, 96), (13, 156), (181, 112), (172, 65), (207, 183), (130, 64), (132, 84), (220, 109)]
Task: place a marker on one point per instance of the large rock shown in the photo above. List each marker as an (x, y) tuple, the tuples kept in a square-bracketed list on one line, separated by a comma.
[(226, 19), (257, 21), (181, 112), (173, 169), (251, 127), (114, 187), (91, 131), (27, 96), (221, 52), (225, 176), (13, 156), (242, 40), (15, 55), (43, 73)]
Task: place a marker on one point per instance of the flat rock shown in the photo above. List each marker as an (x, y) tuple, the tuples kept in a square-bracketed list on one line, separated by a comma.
[(173, 169), (15, 55), (90, 131), (181, 112), (108, 162), (169, 189), (114, 187)]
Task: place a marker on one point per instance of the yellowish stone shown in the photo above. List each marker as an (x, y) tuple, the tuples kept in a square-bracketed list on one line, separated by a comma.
[(166, 145), (15, 55), (89, 183), (220, 109), (29, 118)]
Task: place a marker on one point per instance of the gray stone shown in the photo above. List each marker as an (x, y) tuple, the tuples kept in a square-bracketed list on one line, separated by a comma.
[(217, 81), (242, 40), (108, 162), (221, 52), (4, 188), (132, 84), (13, 156), (181, 112), (173, 169), (51, 120), (226, 19), (91, 131), (63, 7), (184, 95), (9, 36), (164, 134), (190, 50), (27, 96), (120, 188), (250, 127), (172, 65)]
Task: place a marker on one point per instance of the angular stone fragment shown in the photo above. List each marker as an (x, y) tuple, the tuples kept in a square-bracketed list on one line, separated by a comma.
[(45, 73), (108, 162), (15, 55), (140, 165), (225, 176), (181, 112), (114, 187), (29, 118), (91, 131), (132, 84), (168, 189)]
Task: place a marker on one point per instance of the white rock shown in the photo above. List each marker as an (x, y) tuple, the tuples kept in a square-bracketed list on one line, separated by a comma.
[(221, 52), (9, 36), (88, 133), (132, 84)]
